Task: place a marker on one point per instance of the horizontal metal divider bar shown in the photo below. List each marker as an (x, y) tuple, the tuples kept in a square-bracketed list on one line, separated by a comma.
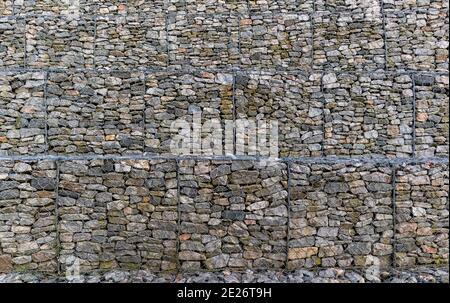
[(310, 160), (248, 12), (174, 70)]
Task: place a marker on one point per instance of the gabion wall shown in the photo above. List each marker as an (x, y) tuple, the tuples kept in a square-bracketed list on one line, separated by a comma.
[(199, 214), (87, 96)]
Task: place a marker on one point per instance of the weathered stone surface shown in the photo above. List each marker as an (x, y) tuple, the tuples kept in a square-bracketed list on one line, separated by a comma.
[(422, 214), (294, 101), (5, 264), (348, 39), (129, 221), (276, 40), (22, 113), (220, 222), (131, 41), (59, 41), (95, 113), (12, 41), (66, 8), (336, 220), (414, 4), (27, 217), (174, 99), (432, 116), (280, 6), (418, 39), (369, 115), (6, 7), (203, 40), (209, 6)]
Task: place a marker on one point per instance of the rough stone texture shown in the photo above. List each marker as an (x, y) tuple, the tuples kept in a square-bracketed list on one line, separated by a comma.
[(413, 4), (27, 216), (348, 40), (316, 67), (422, 208), (208, 41), (329, 275), (6, 7), (60, 41), (106, 7), (95, 113), (154, 6), (213, 6), (276, 41), (170, 96), (131, 41), (233, 215), (22, 113), (357, 6), (12, 42), (418, 39), (368, 114), (432, 122), (280, 6), (50, 7), (340, 216), (293, 100), (118, 214)]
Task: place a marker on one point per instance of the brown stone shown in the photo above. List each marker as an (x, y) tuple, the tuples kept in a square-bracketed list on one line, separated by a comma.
[(422, 117), (429, 249), (302, 252), (246, 21), (393, 130), (185, 237), (5, 264), (406, 227)]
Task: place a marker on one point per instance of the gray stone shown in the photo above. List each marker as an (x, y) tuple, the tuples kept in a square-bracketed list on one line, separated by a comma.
[(336, 187), (43, 183)]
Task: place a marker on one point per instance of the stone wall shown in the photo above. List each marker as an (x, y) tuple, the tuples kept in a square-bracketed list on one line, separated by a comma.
[(191, 215), (121, 112), (88, 96)]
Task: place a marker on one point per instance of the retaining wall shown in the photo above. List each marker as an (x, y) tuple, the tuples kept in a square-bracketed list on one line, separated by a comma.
[(88, 96)]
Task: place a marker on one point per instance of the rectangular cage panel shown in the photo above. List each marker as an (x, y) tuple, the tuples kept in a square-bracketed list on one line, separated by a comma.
[(341, 215), (276, 41), (280, 6), (203, 40), (28, 234), (414, 4), (368, 115), (60, 42), (417, 40), (22, 113), (95, 113), (12, 42), (348, 41), (118, 214), (432, 122), (422, 214), (279, 114), (233, 214), (187, 113), (64, 8), (131, 42)]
